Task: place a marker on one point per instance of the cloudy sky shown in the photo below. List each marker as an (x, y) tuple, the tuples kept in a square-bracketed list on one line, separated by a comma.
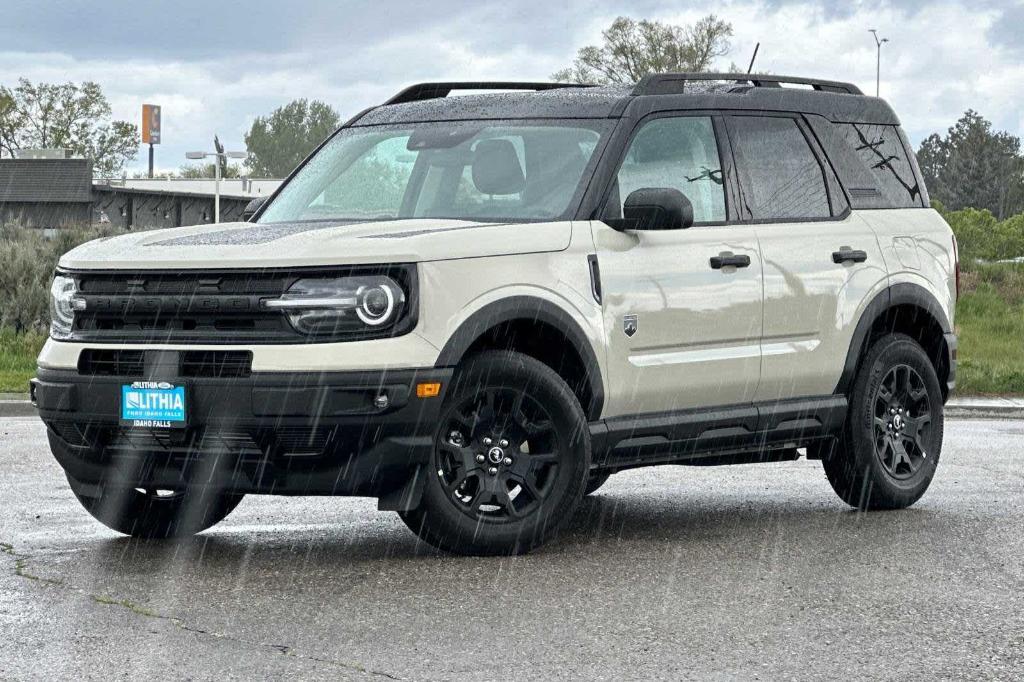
[(216, 64)]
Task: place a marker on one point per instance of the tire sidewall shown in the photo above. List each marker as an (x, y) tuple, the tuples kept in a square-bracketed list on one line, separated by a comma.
[(442, 524), (891, 351)]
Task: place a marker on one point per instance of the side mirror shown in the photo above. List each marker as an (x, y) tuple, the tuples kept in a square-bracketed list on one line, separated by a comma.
[(656, 208), (252, 207)]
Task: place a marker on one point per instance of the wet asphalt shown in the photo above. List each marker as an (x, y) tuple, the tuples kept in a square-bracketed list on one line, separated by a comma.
[(749, 572)]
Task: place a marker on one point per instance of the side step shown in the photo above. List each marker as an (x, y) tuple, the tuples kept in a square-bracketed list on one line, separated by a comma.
[(737, 434)]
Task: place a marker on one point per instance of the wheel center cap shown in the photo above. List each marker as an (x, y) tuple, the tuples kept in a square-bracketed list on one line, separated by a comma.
[(495, 455), (897, 422)]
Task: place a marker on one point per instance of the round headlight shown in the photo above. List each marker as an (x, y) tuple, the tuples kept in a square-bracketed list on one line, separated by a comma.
[(376, 304)]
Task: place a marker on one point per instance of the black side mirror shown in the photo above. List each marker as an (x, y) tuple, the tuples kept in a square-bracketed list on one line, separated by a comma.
[(656, 208), (252, 207)]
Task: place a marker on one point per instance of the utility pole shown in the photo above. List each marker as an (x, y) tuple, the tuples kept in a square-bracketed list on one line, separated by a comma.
[(878, 60), (219, 156)]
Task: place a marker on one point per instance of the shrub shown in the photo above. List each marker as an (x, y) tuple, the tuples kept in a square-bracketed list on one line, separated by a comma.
[(27, 260), (981, 237)]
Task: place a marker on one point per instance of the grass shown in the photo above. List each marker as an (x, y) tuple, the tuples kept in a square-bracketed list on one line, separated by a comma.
[(990, 324), (18, 359), (989, 321)]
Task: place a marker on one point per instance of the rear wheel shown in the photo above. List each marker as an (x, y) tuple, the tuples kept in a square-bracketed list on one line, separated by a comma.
[(152, 513), (510, 459), (890, 446)]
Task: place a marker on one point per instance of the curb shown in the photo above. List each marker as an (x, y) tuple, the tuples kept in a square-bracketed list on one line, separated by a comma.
[(18, 405), (11, 406), (986, 410)]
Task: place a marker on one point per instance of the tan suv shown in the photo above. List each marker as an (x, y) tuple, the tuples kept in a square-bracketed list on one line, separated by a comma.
[(478, 308)]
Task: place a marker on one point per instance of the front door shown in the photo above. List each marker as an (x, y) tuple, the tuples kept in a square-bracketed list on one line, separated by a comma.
[(683, 331)]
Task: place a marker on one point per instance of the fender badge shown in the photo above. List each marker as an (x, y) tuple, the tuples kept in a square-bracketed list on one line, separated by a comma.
[(629, 324)]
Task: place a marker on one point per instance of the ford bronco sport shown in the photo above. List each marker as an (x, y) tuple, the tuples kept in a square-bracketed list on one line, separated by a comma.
[(478, 308)]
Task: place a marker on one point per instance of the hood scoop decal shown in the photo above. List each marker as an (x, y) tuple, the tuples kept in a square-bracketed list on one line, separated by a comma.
[(254, 234)]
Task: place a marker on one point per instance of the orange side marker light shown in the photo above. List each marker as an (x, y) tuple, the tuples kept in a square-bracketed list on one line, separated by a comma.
[(430, 390)]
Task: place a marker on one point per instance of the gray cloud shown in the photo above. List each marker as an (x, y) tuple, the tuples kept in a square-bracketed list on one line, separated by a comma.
[(215, 65), (1008, 30)]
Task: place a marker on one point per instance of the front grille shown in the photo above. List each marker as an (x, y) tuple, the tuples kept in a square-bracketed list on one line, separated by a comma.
[(111, 363), (210, 307), (216, 364), (164, 307)]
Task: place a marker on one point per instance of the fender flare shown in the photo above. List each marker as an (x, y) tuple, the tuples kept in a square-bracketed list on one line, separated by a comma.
[(531, 309), (903, 293)]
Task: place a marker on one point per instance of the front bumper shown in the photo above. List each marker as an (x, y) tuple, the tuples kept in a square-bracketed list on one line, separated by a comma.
[(297, 434)]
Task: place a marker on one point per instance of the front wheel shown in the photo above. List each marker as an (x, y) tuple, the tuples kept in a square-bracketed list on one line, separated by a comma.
[(158, 514), (890, 446), (510, 460)]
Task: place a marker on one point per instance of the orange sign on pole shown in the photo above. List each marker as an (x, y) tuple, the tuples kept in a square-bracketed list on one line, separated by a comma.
[(151, 124)]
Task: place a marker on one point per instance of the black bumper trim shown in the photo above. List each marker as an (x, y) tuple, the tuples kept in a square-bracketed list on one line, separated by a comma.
[(303, 434)]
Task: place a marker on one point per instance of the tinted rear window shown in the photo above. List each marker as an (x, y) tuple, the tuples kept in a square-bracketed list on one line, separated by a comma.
[(780, 178)]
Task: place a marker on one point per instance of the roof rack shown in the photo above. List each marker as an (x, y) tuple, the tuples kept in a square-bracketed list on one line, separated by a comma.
[(675, 83), (422, 91)]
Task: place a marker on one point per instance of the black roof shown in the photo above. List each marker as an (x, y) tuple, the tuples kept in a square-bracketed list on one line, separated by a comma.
[(45, 180), (836, 101)]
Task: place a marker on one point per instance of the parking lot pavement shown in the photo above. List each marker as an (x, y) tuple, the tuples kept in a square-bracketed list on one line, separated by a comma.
[(749, 571)]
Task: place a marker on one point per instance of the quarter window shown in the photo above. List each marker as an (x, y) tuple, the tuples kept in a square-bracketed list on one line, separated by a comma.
[(780, 178), (880, 149), (678, 153)]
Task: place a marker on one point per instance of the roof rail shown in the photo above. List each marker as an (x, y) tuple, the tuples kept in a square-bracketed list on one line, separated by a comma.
[(675, 83), (422, 91)]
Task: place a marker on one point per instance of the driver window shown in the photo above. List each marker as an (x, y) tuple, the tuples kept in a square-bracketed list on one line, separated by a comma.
[(679, 153)]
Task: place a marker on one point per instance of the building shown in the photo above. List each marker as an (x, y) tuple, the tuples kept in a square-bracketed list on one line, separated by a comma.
[(45, 192), (55, 193)]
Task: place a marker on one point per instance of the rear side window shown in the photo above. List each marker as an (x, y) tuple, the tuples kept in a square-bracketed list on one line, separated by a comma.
[(880, 149), (780, 178), (679, 153)]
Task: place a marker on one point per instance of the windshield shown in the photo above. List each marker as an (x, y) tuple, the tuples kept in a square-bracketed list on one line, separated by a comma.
[(470, 170)]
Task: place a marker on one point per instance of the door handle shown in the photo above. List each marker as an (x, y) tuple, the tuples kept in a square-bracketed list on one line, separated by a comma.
[(845, 253), (725, 259)]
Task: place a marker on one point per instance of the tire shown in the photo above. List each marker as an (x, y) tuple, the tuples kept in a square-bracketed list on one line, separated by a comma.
[(595, 481), (520, 418), (157, 514), (888, 452)]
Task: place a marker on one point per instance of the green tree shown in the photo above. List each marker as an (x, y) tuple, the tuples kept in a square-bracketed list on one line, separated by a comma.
[(632, 49), (208, 170), (974, 167), (279, 142), (70, 116), (202, 171)]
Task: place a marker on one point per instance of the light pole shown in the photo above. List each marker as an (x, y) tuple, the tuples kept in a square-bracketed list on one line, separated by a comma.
[(878, 59), (218, 156)]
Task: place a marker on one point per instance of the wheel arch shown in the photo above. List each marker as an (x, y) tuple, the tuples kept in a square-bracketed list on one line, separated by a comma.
[(912, 310), (540, 329)]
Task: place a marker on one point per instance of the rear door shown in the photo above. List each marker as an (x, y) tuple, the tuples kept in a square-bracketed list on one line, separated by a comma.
[(821, 262), (681, 333)]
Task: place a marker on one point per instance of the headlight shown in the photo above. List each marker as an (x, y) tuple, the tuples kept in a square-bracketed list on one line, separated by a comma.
[(357, 304), (64, 302)]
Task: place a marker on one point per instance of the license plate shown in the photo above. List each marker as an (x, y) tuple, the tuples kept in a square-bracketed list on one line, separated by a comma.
[(153, 404)]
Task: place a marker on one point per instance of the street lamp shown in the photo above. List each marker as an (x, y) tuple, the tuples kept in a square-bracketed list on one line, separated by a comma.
[(219, 155), (878, 59)]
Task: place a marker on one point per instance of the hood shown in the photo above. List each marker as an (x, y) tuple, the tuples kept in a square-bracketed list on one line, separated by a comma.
[(248, 245)]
